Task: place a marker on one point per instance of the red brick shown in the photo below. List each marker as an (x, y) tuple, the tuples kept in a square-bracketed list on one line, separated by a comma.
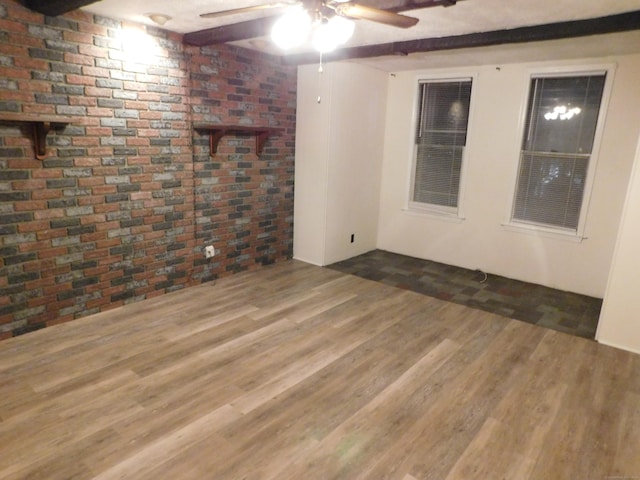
[(74, 79), (48, 214), (12, 26), (52, 252), (45, 194), (27, 206), (99, 151), (93, 28), (151, 115), (99, 92), (134, 86), (83, 101), (132, 141), (14, 73), (14, 50), (111, 207), (81, 60), (86, 141), (99, 131), (18, 142), (90, 219), (86, 162), (41, 109), (77, 37)]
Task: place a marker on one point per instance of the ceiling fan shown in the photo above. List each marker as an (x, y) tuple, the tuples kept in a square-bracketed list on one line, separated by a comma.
[(324, 9)]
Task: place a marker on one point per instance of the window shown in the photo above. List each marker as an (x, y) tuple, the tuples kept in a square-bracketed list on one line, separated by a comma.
[(560, 127), (441, 136)]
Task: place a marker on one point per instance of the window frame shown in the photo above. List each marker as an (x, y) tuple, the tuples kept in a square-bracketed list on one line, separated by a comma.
[(454, 214), (578, 234)]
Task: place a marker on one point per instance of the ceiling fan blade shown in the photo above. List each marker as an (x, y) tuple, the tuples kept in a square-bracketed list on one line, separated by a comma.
[(354, 10), (252, 8)]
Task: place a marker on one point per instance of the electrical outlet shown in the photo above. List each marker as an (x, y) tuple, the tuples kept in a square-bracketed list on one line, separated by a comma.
[(209, 251)]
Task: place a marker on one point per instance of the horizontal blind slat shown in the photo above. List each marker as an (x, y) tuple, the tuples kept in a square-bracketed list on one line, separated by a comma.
[(440, 139), (555, 154)]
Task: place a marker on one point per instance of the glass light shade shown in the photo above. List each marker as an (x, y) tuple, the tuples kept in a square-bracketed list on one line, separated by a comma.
[(292, 29), (342, 28), (324, 39), (331, 33)]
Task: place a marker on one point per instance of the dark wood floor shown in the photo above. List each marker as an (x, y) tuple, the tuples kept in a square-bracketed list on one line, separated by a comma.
[(300, 372)]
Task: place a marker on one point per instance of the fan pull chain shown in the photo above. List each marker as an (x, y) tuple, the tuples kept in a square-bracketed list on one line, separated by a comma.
[(320, 71)]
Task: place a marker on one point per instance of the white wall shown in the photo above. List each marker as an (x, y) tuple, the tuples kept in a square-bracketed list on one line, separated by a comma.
[(481, 240), (311, 167), (619, 323), (338, 161)]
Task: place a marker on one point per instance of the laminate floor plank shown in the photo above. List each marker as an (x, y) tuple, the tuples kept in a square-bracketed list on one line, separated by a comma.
[(589, 450), (294, 371), (462, 405), (626, 460), (368, 431)]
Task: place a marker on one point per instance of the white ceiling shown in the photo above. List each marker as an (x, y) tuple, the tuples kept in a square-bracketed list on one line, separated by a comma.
[(467, 16)]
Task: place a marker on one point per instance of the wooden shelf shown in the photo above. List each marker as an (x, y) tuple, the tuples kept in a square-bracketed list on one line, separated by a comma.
[(41, 126), (217, 131)]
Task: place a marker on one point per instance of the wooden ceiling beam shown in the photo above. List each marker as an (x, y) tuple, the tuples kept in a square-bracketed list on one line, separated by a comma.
[(231, 33), (553, 31), (262, 26), (54, 8)]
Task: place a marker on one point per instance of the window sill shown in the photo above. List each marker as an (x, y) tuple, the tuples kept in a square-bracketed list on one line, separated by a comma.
[(434, 214), (539, 231)]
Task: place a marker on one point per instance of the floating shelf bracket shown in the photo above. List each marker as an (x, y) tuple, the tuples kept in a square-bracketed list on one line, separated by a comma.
[(41, 125), (217, 131)]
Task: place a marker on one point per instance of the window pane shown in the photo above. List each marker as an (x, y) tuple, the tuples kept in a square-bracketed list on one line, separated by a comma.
[(437, 175), (559, 133), (550, 190), (440, 137), (549, 130)]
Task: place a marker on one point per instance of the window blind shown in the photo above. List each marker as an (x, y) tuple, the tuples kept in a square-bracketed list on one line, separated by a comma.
[(440, 140), (560, 126)]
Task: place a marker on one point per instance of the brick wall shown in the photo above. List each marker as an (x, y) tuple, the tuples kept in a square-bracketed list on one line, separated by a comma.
[(123, 205), (244, 205)]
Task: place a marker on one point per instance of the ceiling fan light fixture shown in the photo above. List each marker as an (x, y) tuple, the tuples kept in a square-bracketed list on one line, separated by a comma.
[(329, 34), (342, 28), (323, 40), (159, 18), (292, 29)]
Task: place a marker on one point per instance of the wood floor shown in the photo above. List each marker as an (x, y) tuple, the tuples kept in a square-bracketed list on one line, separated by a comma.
[(299, 372)]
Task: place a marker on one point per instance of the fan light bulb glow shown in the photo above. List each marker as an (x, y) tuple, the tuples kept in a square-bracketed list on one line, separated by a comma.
[(332, 33), (342, 28), (292, 29), (323, 39), (562, 112)]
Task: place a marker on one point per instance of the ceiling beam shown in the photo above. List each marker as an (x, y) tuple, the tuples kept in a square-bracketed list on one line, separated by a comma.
[(231, 33), (261, 27), (54, 8), (418, 4), (552, 31)]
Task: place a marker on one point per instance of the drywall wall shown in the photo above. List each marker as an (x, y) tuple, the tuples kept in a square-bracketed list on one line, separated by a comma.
[(619, 323), (339, 143), (311, 172), (481, 240)]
